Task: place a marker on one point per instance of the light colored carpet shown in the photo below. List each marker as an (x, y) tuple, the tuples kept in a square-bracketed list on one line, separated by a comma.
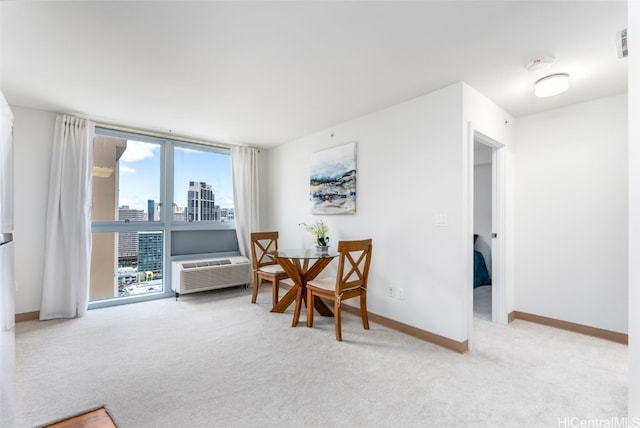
[(215, 360)]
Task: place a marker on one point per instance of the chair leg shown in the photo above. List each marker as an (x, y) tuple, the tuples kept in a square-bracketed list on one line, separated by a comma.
[(338, 321), (256, 285), (310, 304), (275, 291), (363, 311), (296, 311)]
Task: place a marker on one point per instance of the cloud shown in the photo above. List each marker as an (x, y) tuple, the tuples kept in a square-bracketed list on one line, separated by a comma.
[(137, 151), (187, 151), (126, 169)]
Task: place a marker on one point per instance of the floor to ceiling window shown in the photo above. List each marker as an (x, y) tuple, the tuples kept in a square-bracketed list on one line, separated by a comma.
[(133, 176)]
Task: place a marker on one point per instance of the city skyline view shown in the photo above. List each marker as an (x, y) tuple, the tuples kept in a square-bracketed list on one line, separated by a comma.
[(140, 174)]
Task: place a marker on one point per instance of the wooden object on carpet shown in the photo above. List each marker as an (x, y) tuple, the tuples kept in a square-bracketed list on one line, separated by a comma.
[(98, 418), (571, 326)]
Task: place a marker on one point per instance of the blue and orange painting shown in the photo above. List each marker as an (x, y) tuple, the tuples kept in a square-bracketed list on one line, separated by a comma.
[(333, 180)]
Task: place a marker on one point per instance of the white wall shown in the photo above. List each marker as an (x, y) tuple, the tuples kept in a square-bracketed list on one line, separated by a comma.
[(634, 213), (571, 214), (409, 163), (33, 136)]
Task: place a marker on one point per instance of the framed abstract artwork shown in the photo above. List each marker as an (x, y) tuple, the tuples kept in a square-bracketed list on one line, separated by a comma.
[(333, 180)]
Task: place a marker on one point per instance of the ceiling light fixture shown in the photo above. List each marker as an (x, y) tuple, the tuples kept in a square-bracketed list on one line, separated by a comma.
[(540, 63), (552, 85)]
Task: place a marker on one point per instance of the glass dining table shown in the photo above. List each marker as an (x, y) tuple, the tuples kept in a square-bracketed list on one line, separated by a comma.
[(302, 265)]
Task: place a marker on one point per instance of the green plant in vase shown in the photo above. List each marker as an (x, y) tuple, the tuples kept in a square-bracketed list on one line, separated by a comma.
[(319, 231)]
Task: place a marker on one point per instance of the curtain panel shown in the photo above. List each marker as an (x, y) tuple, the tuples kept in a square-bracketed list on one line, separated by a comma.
[(244, 169), (65, 290)]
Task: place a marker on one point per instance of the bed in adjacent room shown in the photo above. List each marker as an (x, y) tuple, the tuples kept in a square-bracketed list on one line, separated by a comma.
[(480, 272)]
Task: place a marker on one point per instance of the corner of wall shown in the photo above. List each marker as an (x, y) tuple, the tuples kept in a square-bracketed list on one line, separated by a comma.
[(634, 212)]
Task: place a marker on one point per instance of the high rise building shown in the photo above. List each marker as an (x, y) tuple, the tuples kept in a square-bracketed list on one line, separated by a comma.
[(179, 213), (227, 214), (150, 254), (152, 209), (200, 202), (128, 241)]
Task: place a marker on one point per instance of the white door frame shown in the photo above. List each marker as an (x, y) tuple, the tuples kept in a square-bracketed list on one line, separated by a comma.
[(498, 214)]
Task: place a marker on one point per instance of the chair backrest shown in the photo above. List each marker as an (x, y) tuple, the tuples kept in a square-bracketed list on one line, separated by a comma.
[(353, 267), (261, 244)]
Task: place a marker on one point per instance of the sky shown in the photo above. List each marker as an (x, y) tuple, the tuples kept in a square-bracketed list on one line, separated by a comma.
[(140, 174)]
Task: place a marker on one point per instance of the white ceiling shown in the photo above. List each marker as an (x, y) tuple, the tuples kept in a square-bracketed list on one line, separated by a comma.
[(264, 73)]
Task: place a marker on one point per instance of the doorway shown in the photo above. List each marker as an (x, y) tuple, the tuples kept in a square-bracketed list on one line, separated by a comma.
[(482, 229), (493, 235)]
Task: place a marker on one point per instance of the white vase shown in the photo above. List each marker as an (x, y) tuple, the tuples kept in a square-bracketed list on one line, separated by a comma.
[(322, 249)]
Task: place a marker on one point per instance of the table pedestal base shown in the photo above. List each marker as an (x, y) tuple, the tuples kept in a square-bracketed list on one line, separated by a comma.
[(300, 274)]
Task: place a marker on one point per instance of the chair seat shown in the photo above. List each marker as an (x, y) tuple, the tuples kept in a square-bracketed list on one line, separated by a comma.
[(323, 283), (271, 269), (329, 284)]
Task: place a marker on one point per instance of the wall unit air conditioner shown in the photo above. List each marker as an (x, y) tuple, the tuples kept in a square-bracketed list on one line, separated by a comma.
[(189, 276)]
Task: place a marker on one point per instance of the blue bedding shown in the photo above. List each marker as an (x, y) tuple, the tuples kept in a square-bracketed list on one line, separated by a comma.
[(480, 272)]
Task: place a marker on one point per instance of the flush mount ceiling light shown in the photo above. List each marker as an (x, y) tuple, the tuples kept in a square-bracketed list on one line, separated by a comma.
[(540, 63), (552, 85)]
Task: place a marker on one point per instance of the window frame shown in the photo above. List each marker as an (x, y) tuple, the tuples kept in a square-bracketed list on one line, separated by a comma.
[(199, 225), (165, 224)]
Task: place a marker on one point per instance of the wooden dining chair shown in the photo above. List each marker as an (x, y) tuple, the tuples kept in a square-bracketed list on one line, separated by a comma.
[(264, 267), (350, 281)]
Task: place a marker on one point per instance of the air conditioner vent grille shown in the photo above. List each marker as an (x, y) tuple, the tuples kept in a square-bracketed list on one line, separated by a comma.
[(200, 275), (206, 263)]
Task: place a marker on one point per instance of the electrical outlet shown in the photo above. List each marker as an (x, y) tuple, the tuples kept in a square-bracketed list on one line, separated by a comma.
[(390, 292), (400, 293)]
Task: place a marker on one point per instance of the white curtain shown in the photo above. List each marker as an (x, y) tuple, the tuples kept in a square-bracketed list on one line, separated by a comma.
[(244, 167), (65, 291)]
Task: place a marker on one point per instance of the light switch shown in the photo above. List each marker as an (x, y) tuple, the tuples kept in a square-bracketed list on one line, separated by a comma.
[(442, 220)]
